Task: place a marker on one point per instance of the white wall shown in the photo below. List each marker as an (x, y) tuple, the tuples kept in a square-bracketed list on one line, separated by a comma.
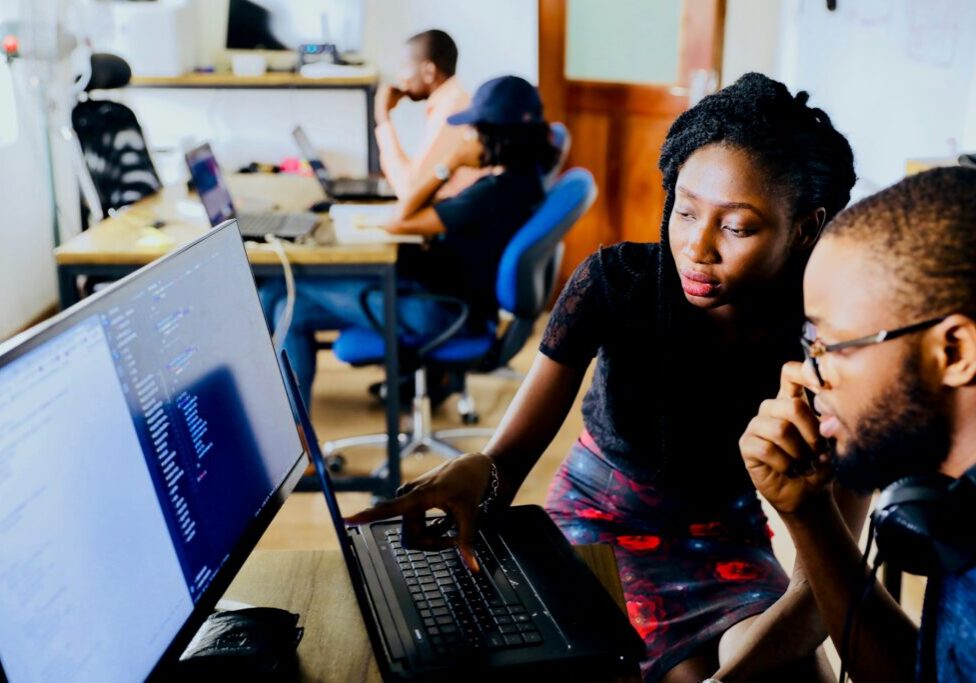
[(251, 125), (28, 285), (751, 38), (899, 78), (27, 275)]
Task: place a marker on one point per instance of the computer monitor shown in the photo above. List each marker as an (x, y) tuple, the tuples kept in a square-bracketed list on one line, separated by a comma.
[(146, 441), (210, 184), (253, 26)]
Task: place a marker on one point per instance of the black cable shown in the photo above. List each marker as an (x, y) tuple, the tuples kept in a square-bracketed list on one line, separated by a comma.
[(864, 596), (859, 595)]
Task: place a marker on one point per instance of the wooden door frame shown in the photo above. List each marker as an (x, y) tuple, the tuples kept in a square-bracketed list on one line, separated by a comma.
[(611, 218), (557, 91)]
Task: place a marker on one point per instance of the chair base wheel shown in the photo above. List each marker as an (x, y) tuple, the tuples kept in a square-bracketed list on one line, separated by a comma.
[(470, 418), (336, 463)]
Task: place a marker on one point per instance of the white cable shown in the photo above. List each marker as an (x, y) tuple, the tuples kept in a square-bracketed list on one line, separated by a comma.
[(281, 329)]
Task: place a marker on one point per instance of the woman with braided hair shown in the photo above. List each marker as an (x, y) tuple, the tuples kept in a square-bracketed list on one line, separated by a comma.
[(689, 335)]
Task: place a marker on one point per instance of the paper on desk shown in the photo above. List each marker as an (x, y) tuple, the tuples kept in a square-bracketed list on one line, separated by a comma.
[(363, 223), (153, 237)]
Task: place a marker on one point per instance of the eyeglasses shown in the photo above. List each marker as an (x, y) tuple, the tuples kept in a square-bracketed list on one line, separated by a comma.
[(814, 347)]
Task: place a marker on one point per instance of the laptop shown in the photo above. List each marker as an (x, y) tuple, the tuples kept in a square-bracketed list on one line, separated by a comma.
[(346, 189), (146, 442), (533, 608), (219, 206)]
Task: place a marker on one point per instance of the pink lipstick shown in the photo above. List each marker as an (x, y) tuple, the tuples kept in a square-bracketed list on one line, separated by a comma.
[(698, 284)]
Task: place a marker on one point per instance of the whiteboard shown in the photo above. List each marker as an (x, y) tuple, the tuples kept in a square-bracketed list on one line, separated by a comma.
[(898, 77)]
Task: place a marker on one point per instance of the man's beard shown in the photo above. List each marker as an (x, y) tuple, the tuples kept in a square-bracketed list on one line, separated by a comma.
[(904, 433)]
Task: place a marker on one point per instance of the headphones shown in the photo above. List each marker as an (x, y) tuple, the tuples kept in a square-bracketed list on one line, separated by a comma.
[(926, 525), (923, 525)]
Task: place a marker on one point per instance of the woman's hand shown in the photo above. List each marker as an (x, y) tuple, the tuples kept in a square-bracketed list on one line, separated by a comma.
[(456, 487), (782, 448)]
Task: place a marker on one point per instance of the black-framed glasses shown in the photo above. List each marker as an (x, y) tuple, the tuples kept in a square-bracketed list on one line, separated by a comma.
[(814, 347)]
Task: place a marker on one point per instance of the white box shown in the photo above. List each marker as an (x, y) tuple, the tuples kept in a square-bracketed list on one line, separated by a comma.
[(156, 38)]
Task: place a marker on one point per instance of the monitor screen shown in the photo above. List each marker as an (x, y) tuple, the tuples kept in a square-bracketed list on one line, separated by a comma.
[(209, 182), (272, 24), (146, 439)]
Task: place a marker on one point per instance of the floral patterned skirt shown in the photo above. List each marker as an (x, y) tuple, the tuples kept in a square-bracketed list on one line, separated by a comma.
[(685, 582)]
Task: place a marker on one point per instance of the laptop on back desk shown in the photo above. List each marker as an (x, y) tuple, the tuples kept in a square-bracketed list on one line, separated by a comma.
[(344, 189), (217, 202)]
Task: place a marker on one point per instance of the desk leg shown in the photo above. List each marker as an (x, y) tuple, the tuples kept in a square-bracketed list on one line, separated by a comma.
[(67, 287), (392, 382), (372, 151)]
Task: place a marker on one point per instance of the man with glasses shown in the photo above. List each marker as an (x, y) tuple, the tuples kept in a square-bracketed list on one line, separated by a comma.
[(888, 391)]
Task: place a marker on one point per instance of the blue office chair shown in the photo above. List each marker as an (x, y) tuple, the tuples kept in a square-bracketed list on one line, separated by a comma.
[(526, 277), (561, 138)]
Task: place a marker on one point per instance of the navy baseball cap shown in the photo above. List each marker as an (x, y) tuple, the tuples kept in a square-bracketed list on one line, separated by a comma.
[(502, 101)]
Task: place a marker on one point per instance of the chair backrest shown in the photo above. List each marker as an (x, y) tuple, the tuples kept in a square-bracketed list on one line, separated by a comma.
[(520, 286), (530, 263), (115, 152), (112, 140), (108, 72), (562, 139)]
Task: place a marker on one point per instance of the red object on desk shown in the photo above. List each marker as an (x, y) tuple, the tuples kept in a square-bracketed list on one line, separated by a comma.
[(296, 166), (11, 46)]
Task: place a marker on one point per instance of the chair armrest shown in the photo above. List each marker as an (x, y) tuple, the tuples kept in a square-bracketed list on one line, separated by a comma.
[(462, 316)]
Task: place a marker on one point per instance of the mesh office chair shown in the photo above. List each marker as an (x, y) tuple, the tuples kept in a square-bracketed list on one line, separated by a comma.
[(524, 286), (112, 141)]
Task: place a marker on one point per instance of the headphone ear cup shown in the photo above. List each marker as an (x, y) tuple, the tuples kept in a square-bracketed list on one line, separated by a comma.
[(915, 526)]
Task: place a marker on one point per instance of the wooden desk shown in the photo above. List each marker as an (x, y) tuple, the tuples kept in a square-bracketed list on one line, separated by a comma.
[(227, 80), (119, 245), (315, 584), (272, 79), (128, 240)]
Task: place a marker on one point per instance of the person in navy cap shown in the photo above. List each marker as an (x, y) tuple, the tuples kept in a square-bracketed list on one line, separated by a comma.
[(507, 136)]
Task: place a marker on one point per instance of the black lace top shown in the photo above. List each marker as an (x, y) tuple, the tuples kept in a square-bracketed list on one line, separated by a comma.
[(665, 406)]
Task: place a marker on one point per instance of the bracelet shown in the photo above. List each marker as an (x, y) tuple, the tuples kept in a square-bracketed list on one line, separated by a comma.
[(492, 495)]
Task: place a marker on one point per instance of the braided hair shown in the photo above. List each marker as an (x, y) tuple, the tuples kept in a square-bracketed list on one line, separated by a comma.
[(804, 156)]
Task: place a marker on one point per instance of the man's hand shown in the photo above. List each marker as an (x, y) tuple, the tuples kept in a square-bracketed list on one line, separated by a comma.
[(387, 97), (782, 448)]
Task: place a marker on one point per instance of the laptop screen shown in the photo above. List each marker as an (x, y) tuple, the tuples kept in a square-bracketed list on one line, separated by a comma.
[(210, 184), (312, 157), (146, 438)]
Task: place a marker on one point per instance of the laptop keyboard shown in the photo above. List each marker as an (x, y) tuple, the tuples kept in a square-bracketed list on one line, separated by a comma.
[(462, 610), (277, 223), (260, 223)]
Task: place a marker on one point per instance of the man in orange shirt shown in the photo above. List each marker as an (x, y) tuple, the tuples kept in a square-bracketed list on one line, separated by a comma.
[(426, 74)]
